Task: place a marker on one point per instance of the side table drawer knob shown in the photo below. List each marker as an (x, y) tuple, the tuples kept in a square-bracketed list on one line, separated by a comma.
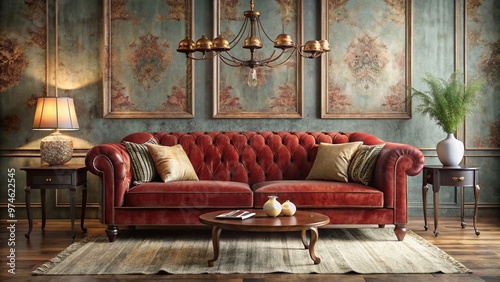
[(48, 179), (458, 178)]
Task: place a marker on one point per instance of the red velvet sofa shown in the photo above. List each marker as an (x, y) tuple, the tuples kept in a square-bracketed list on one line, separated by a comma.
[(238, 170)]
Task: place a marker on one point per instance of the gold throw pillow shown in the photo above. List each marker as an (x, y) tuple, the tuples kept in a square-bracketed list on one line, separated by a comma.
[(332, 161), (172, 163)]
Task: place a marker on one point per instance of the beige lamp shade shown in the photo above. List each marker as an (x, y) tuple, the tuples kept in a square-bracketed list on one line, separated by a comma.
[(55, 113)]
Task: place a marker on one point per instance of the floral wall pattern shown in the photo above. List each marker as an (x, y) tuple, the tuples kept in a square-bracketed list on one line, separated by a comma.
[(148, 60), (483, 62), (366, 71), (13, 58), (12, 52), (13, 62), (145, 78)]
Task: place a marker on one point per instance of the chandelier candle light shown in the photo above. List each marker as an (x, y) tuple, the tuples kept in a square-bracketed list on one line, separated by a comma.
[(222, 47)]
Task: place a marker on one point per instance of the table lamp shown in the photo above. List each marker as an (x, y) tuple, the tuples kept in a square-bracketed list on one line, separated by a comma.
[(55, 113)]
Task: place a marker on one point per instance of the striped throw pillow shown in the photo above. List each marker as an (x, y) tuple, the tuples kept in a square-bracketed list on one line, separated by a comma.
[(143, 166), (363, 162)]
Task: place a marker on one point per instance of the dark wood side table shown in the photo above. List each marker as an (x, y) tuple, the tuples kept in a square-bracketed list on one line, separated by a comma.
[(68, 176), (439, 176)]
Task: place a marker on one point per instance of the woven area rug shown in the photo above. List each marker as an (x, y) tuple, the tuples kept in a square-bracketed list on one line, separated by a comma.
[(179, 252)]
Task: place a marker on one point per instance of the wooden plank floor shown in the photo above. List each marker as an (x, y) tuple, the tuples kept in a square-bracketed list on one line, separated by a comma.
[(481, 254)]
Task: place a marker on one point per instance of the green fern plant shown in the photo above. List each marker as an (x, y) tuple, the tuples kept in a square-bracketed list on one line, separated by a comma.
[(448, 101)]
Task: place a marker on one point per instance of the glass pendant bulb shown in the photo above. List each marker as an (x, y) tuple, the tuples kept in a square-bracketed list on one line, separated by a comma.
[(252, 77)]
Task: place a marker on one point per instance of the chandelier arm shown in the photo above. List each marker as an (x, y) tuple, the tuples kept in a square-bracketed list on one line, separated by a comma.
[(229, 62), (232, 59), (201, 59), (284, 61), (312, 56), (263, 30), (270, 59), (238, 62), (248, 63), (239, 36)]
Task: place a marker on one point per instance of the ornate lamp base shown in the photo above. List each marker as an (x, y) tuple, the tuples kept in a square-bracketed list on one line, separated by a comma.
[(56, 149)]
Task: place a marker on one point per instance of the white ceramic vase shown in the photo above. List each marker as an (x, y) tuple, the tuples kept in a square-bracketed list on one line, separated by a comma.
[(272, 207), (450, 151), (288, 208)]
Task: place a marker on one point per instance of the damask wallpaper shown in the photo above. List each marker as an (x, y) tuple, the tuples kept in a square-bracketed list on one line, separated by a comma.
[(483, 61), (22, 51), (145, 77), (367, 71)]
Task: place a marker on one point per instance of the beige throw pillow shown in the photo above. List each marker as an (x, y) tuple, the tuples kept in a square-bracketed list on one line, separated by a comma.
[(332, 161), (172, 163)]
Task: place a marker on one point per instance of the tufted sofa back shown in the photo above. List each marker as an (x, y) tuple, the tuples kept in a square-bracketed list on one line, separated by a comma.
[(252, 157)]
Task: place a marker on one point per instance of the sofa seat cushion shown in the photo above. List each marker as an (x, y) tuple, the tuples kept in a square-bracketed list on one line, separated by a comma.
[(186, 194), (319, 194)]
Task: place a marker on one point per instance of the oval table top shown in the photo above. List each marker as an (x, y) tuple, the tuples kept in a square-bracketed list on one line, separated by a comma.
[(301, 220)]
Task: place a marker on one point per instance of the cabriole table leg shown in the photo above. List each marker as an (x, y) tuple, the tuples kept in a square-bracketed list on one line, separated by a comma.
[(314, 239), (84, 206), (425, 188), (312, 242), (436, 213), (462, 212), (27, 196), (44, 209), (72, 209), (477, 189), (215, 241)]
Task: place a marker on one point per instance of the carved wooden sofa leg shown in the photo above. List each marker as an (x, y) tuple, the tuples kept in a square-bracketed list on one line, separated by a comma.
[(400, 231), (112, 232)]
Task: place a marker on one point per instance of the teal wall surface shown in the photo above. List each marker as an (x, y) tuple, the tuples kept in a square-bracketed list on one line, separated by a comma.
[(444, 39)]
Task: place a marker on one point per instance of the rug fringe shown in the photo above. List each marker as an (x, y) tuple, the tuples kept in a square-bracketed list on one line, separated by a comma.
[(442, 254), (44, 268)]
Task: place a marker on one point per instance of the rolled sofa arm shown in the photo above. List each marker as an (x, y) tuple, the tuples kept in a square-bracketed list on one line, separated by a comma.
[(111, 163), (395, 162)]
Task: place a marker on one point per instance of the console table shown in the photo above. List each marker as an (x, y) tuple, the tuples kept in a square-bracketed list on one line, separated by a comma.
[(439, 176), (68, 176)]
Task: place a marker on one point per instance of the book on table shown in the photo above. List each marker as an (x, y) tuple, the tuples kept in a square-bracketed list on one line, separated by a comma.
[(236, 214)]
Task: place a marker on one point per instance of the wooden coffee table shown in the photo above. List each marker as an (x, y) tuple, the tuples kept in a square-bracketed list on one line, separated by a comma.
[(300, 221)]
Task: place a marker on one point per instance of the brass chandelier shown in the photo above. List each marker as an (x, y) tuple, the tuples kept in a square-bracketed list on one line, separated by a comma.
[(222, 47)]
